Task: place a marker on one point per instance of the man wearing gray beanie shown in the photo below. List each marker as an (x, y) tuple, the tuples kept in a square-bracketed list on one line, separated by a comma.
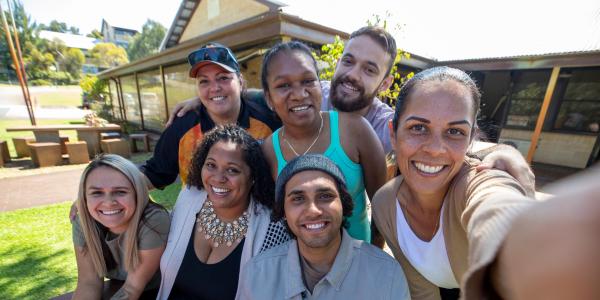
[(322, 261)]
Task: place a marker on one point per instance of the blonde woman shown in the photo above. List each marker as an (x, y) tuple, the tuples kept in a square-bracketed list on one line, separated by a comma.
[(118, 233)]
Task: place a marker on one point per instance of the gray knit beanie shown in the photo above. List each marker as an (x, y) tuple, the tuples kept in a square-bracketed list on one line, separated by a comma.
[(301, 163)]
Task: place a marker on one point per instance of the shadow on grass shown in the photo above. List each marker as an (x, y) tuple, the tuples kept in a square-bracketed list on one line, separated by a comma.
[(35, 273)]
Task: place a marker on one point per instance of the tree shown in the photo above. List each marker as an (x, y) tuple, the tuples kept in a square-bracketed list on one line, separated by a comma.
[(74, 30), (95, 34), (108, 55), (148, 41), (73, 61), (55, 26)]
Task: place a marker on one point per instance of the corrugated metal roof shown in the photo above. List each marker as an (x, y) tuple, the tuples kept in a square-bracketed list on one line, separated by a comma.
[(70, 40)]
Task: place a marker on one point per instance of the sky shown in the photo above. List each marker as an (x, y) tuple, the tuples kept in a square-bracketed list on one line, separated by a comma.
[(440, 29)]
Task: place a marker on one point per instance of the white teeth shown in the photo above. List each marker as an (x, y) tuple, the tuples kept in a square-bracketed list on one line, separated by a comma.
[(217, 98), (428, 169), (315, 226), (350, 86), (110, 212), (300, 108), (219, 190)]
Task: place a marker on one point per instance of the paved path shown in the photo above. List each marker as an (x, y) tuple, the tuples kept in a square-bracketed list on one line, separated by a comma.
[(40, 189)]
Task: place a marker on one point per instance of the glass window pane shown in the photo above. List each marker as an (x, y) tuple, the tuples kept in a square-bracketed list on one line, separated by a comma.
[(115, 100), (526, 98), (130, 100), (153, 100), (179, 85), (580, 106)]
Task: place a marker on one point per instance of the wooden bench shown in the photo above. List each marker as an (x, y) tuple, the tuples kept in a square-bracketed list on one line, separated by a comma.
[(142, 137), (63, 141), (116, 146), (21, 145), (45, 154), (109, 135), (4, 154), (78, 152)]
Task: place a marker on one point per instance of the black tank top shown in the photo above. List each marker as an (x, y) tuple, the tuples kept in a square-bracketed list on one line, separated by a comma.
[(197, 280)]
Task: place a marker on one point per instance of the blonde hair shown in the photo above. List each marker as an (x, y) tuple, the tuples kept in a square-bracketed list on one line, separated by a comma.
[(89, 226)]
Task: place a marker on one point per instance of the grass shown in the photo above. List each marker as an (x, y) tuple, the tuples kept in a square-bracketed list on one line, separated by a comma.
[(37, 253), (58, 96), (7, 136), (38, 261)]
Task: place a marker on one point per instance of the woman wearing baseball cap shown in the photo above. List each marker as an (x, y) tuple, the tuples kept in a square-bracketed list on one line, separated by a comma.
[(220, 88)]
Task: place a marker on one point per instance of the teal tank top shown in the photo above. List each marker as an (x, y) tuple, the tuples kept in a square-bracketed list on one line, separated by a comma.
[(359, 226)]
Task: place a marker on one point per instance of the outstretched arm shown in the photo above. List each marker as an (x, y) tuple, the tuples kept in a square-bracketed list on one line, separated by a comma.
[(552, 251), (508, 159)]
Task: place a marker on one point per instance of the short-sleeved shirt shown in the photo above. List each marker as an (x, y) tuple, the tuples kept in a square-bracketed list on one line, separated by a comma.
[(152, 233), (359, 271), (176, 146)]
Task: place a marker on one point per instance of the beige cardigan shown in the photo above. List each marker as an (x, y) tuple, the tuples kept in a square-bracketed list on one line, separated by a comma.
[(479, 208)]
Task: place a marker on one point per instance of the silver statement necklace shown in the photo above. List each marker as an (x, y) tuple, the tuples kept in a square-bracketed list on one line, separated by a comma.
[(218, 231), (311, 144)]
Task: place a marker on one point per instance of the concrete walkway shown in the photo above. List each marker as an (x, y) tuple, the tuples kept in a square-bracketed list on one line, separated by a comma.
[(41, 189)]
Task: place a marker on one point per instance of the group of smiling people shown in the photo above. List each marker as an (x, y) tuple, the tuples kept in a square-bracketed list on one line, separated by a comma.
[(276, 188)]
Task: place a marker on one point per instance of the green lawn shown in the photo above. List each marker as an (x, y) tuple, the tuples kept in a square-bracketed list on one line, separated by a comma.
[(37, 251), (7, 136), (58, 96)]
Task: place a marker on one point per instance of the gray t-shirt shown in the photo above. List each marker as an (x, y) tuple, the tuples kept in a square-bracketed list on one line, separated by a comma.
[(380, 116), (153, 232)]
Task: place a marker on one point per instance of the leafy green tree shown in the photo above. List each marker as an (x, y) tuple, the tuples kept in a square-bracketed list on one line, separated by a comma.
[(108, 55), (95, 34), (74, 30), (55, 26), (73, 61), (148, 41), (27, 34)]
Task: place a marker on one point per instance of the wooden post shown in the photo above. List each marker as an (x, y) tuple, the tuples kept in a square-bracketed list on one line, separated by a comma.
[(20, 55), (18, 68), (137, 86), (164, 88), (542, 116)]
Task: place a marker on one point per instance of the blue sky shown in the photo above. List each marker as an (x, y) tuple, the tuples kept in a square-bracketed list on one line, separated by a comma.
[(441, 29)]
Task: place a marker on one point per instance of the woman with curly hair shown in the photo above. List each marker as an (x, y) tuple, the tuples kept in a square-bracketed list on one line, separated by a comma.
[(221, 218)]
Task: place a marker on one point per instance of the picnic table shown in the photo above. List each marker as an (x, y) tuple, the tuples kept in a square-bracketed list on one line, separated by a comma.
[(89, 134)]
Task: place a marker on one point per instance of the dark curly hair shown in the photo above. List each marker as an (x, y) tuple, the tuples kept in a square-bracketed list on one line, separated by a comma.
[(263, 188), (281, 47), (347, 206)]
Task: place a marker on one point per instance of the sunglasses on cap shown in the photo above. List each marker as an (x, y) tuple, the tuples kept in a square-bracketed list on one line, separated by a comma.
[(219, 55)]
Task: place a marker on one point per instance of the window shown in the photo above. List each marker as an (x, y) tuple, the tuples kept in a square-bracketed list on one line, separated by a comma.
[(179, 85), (580, 107), (526, 98), (153, 100), (130, 100), (116, 107)]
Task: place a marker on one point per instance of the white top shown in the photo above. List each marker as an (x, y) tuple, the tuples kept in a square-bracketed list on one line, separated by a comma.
[(428, 258), (189, 202)]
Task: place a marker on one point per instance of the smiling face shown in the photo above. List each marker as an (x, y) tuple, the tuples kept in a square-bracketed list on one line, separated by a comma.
[(110, 198), (433, 135), (359, 75), (294, 90), (313, 209), (226, 177), (219, 91)]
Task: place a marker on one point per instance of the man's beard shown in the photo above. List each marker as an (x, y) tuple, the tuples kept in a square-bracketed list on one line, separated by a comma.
[(340, 103)]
